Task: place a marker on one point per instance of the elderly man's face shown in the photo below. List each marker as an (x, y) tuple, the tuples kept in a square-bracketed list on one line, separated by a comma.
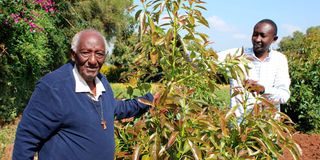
[(90, 55)]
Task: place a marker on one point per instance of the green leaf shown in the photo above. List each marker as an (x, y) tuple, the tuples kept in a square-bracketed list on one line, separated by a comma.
[(195, 150), (137, 15)]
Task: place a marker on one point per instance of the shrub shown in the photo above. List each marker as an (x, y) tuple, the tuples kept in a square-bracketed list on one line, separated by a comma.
[(29, 43), (189, 122), (303, 51), (112, 72)]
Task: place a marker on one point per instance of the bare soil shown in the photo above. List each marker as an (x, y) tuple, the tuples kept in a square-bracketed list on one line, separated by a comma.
[(310, 145)]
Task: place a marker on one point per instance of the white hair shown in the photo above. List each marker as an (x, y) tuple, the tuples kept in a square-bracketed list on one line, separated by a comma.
[(76, 39)]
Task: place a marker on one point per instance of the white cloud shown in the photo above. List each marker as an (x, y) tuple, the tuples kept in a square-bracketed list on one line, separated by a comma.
[(219, 24), (290, 28)]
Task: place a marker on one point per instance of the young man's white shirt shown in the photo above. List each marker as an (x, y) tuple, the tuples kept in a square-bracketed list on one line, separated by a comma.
[(272, 73)]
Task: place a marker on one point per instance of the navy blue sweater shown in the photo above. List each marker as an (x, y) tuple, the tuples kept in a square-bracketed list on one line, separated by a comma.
[(62, 124)]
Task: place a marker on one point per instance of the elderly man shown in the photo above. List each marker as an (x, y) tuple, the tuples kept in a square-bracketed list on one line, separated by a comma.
[(71, 112)]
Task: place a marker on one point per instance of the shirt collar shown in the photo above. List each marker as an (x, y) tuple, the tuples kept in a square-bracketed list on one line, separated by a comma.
[(82, 86), (249, 52)]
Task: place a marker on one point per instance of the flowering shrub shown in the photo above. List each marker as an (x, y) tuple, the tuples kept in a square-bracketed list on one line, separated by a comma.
[(29, 41), (27, 13)]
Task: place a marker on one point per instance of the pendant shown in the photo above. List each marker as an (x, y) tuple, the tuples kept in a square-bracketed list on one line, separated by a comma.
[(104, 124)]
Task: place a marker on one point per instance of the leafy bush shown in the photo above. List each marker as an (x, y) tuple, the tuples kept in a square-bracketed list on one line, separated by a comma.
[(303, 51), (190, 122), (112, 72), (29, 43)]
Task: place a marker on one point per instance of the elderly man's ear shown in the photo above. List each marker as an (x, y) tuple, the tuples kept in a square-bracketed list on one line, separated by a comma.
[(72, 56)]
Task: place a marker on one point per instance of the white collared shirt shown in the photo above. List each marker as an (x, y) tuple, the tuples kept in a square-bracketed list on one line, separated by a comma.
[(82, 86), (272, 73)]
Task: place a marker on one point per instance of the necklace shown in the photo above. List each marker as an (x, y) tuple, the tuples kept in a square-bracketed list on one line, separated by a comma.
[(103, 122)]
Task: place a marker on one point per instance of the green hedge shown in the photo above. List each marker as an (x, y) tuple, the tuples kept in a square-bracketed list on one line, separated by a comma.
[(303, 51)]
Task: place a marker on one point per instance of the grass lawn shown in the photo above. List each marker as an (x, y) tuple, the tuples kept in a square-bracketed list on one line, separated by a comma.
[(7, 132)]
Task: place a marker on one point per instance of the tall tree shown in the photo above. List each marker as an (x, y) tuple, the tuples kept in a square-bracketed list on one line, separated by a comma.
[(112, 18)]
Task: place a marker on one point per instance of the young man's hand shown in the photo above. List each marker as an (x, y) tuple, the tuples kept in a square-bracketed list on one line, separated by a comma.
[(254, 86)]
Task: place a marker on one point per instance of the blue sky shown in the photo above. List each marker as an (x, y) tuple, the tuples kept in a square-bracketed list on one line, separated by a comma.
[(231, 21)]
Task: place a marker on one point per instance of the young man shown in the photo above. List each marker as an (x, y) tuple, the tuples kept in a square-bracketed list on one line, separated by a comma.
[(71, 112), (268, 73)]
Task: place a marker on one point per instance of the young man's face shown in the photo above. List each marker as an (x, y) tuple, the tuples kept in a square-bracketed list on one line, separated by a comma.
[(262, 37), (90, 55)]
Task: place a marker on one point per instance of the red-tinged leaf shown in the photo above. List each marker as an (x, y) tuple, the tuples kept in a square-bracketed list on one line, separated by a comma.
[(203, 21), (169, 126), (131, 8), (145, 101), (236, 91), (242, 153), (122, 154), (266, 102), (223, 126), (201, 2), (203, 36), (163, 4), (136, 152), (198, 6), (172, 139), (256, 109), (155, 148), (195, 150), (132, 131)]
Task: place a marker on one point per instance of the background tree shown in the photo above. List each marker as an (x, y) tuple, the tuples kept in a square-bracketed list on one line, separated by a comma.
[(303, 51), (112, 18)]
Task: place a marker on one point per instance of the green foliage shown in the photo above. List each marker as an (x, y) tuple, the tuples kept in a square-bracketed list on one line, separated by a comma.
[(107, 16), (28, 40), (112, 72), (111, 17), (190, 121), (303, 51)]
